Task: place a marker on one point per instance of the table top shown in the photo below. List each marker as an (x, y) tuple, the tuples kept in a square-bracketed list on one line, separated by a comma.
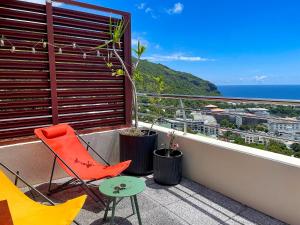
[(122, 186)]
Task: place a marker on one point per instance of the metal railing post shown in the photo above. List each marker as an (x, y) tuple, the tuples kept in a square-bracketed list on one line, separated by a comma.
[(184, 116)]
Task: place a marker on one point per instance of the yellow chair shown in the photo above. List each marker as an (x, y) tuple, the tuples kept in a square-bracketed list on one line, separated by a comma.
[(25, 211)]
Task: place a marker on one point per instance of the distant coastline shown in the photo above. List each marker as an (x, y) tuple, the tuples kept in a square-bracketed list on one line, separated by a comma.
[(261, 91)]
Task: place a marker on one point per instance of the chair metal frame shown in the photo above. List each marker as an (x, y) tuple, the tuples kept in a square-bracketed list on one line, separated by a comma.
[(77, 181), (18, 177)]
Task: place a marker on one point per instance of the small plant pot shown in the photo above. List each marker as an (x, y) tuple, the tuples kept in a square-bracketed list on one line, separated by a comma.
[(167, 169), (140, 150)]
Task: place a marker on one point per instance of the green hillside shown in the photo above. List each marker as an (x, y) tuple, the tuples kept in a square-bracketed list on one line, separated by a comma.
[(175, 82)]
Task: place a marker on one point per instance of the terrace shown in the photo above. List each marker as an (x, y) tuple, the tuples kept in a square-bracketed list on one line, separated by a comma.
[(224, 183)]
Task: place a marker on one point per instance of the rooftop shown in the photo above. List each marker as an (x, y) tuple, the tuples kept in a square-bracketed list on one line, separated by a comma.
[(183, 204)]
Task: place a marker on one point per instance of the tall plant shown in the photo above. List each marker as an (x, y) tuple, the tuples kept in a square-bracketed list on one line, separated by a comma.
[(116, 32)]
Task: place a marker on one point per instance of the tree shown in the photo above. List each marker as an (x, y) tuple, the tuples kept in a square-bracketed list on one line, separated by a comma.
[(295, 147), (116, 32), (226, 123), (279, 147)]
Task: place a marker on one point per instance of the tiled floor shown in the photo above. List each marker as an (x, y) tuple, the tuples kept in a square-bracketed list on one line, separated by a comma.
[(186, 203)]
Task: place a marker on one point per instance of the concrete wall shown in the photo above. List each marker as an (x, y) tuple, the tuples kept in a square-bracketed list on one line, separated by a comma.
[(34, 160), (263, 180)]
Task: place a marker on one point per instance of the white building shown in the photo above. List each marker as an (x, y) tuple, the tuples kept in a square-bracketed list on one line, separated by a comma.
[(206, 125), (259, 111), (289, 128), (254, 138)]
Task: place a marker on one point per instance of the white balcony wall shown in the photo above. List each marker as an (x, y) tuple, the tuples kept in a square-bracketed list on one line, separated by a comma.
[(263, 180)]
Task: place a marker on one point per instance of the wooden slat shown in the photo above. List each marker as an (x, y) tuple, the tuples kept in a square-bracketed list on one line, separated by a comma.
[(67, 39), (90, 92), (94, 84), (22, 15), (79, 33), (21, 36), (24, 104), (105, 122), (14, 24), (24, 94), (24, 113), (38, 65), (16, 133), (80, 24), (24, 123), (81, 109), (85, 101), (83, 67), (23, 75), (83, 16), (87, 76), (91, 58), (91, 116), (23, 55), (15, 4), (23, 84)]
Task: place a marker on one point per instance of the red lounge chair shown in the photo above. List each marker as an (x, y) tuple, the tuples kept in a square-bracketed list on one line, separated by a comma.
[(74, 158)]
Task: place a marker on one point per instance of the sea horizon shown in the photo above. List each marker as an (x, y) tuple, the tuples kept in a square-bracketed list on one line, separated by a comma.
[(269, 91)]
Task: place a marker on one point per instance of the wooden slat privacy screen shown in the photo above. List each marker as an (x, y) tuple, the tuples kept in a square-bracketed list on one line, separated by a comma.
[(45, 87)]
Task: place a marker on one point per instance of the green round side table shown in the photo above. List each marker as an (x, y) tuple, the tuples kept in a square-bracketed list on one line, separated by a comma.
[(121, 187)]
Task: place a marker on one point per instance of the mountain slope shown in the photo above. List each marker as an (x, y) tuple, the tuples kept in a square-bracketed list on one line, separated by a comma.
[(175, 82)]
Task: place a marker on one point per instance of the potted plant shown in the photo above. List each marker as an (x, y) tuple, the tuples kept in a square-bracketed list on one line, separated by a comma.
[(136, 144), (167, 163)]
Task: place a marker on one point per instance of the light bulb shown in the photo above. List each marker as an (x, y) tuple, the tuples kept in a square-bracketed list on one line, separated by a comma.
[(74, 45), (2, 42), (44, 44), (33, 50), (84, 55), (59, 51), (98, 53), (13, 49)]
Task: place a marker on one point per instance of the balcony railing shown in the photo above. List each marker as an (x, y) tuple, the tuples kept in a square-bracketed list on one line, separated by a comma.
[(249, 121)]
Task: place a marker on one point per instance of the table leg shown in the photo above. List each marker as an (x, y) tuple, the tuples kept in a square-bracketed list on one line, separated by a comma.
[(106, 210), (113, 211), (132, 204), (137, 210)]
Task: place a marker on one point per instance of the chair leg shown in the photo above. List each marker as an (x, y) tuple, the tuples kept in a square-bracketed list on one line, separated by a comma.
[(51, 176), (132, 204), (137, 210), (106, 210), (113, 212)]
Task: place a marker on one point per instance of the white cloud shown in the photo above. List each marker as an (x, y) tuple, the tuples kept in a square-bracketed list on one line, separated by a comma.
[(260, 78), (176, 57), (141, 6), (176, 9), (147, 10)]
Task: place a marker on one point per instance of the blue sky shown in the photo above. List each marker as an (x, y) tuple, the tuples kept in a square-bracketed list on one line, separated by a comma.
[(224, 41)]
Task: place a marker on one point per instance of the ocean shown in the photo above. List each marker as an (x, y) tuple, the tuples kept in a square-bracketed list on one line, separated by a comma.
[(261, 91)]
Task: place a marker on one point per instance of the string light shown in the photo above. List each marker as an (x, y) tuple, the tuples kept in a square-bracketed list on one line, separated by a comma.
[(2, 41), (13, 49), (44, 44)]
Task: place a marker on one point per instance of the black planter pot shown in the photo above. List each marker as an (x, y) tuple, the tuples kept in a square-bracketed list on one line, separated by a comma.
[(140, 151), (167, 170)]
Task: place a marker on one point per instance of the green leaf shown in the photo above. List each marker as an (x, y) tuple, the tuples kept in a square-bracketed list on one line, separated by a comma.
[(120, 72)]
